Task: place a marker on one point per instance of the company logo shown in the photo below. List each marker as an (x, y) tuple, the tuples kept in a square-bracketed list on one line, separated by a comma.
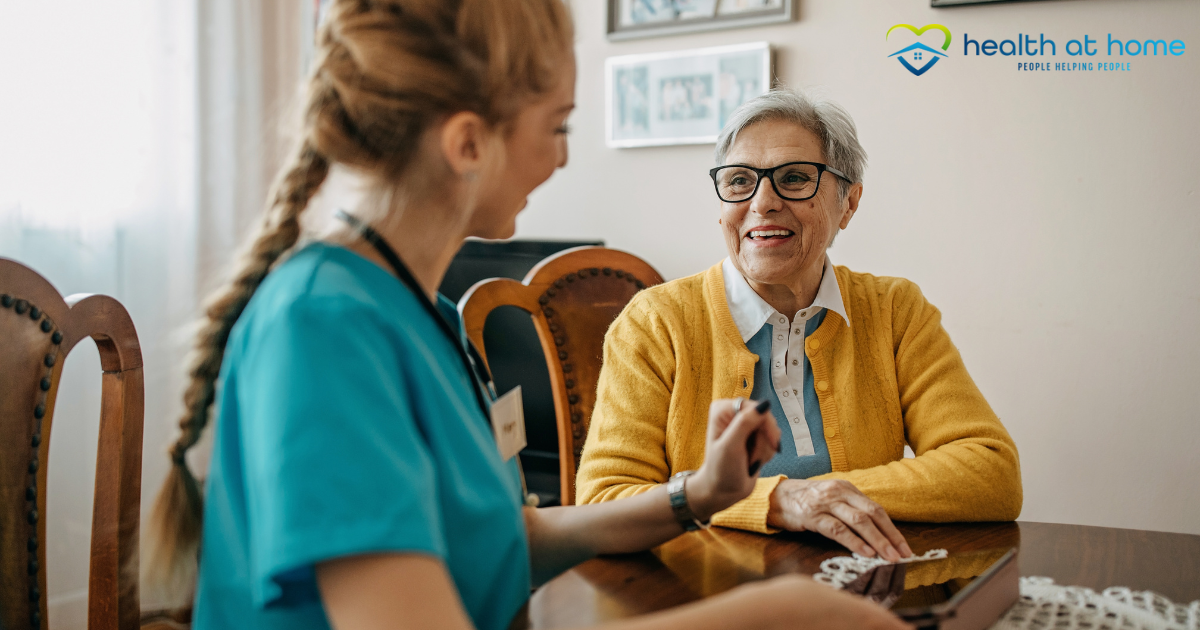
[(919, 58)]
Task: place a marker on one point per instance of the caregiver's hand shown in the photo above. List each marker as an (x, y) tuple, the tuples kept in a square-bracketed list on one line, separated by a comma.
[(740, 440), (790, 601), (836, 509)]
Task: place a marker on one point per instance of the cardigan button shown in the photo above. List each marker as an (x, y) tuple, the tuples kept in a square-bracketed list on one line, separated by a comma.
[(814, 344), (833, 431), (823, 385)]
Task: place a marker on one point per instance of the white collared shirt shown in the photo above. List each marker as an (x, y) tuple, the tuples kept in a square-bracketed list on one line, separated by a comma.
[(750, 313)]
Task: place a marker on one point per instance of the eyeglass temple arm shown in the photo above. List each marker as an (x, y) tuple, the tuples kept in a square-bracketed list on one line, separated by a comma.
[(839, 174)]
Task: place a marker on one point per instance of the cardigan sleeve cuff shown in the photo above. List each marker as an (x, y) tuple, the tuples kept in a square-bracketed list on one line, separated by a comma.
[(751, 513)]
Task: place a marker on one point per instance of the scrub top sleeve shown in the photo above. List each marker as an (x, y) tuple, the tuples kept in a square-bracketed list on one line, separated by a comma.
[(335, 459)]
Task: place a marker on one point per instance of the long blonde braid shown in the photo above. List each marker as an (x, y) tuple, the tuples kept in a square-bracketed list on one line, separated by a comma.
[(177, 512)]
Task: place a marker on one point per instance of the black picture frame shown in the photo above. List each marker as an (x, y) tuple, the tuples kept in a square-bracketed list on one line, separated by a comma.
[(941, 4), (691, 16)]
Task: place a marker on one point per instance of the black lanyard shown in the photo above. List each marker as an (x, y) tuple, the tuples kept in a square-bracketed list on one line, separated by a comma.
[(469, 355)]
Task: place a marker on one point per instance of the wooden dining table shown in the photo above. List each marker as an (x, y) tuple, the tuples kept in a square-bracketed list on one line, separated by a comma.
[(704, 563)]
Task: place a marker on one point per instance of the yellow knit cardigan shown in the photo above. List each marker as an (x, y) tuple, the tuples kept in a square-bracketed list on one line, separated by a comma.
[(892, 377)]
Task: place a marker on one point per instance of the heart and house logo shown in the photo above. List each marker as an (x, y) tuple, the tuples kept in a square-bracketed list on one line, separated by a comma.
[(917, 57)]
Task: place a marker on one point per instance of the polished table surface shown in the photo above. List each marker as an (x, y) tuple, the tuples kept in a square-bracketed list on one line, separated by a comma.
[(704, 563)]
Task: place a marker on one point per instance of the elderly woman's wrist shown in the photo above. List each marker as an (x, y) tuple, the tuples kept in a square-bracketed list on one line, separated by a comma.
[(777, 501)]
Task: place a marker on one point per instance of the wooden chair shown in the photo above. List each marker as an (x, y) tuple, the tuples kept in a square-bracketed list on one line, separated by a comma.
[(573, 297), (37, 330)]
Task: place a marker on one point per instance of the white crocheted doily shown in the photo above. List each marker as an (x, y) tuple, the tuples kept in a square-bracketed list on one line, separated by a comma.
[(842, 570), (1046, 605)]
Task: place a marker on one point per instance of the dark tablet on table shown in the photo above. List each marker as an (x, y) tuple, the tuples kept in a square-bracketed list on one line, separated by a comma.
[(962, 592)]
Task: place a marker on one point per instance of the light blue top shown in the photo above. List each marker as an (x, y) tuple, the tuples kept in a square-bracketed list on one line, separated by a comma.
[(783, 374), (346, 424), (788, 462)]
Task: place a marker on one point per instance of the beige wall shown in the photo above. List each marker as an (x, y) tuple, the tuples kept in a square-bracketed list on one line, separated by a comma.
[(1053, 218)]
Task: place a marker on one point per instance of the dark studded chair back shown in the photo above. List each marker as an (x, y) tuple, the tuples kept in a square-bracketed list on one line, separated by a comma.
[(37, 330), (573, 297)]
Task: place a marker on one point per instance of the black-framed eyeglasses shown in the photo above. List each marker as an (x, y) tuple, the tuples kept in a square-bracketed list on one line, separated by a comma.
[(794, 181)]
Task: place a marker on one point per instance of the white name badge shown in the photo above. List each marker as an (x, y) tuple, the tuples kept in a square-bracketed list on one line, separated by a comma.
[(508, 423)]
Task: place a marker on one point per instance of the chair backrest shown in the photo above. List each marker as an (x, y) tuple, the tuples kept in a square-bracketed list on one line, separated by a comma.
[(37, 330), (573, 297)]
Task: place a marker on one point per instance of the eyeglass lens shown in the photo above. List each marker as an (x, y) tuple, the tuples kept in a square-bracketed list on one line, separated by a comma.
[(793, 181)]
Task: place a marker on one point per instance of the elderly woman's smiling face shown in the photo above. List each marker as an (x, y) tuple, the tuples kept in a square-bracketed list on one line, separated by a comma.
[(771, 240)]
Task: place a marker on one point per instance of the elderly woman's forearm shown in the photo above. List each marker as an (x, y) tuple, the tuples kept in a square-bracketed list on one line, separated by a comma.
[(957, 482)]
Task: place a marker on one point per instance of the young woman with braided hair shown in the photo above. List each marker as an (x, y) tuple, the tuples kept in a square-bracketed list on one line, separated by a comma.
[(355, 482)]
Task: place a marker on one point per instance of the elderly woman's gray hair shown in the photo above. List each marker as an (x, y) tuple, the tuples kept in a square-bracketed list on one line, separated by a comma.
[(825, 119)]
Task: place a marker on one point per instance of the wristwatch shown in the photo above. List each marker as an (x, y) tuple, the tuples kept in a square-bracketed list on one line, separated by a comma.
[(679, 503)]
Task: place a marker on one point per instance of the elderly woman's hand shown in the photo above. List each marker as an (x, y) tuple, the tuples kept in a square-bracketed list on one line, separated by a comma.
[(836, 509), (740, 440)]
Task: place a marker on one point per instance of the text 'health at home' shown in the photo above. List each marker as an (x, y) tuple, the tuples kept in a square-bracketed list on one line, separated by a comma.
[(1028, 45)]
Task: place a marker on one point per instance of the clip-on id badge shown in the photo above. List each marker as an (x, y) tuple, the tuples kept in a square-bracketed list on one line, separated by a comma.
[(508, 423)]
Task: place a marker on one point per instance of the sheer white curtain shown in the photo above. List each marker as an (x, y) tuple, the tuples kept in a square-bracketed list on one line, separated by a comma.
[(137, 141), (253, 56)]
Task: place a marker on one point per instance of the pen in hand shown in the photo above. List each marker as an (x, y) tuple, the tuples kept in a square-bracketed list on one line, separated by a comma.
[(752, 441)]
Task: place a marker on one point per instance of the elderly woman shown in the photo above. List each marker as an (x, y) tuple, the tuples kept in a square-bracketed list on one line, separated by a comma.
[(855, 366)]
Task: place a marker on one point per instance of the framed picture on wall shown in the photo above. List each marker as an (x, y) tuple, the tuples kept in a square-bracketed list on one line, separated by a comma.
[(629, 19), (681, 97), (955, 3)]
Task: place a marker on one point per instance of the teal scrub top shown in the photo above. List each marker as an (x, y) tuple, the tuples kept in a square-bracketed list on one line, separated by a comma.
[(345, 425)]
